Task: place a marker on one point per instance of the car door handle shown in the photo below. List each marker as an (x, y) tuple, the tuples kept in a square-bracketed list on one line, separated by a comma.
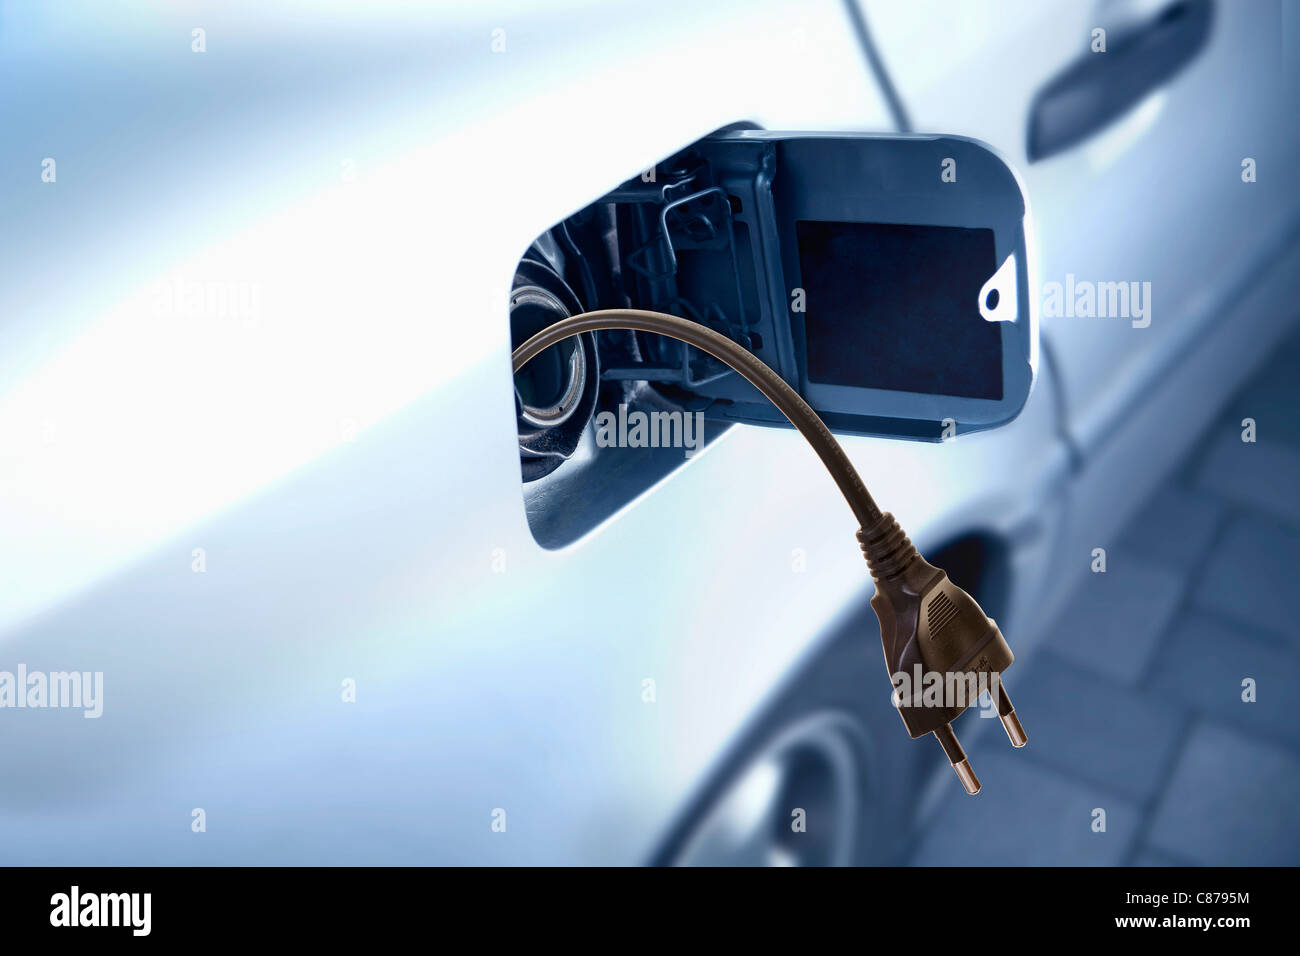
[(1100, 87)]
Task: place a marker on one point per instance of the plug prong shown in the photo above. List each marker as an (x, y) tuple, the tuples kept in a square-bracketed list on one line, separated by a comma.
[(957, 757), (1010, 722)]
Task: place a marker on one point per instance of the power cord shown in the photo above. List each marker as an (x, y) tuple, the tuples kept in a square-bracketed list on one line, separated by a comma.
[(941, 648)]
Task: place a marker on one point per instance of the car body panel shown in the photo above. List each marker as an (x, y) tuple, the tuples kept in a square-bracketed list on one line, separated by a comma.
[(345, 454)]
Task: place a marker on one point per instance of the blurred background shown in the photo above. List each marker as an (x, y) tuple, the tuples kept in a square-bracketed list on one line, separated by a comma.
[(1139, 687), (259, 464)]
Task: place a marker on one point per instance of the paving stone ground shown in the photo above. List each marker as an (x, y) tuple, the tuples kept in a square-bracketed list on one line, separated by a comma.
[(1197, 607)]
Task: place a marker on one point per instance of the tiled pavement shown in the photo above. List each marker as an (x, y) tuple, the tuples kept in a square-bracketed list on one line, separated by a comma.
[(1137, 704)]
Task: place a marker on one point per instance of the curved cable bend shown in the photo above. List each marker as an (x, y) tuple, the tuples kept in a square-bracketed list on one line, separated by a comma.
[(785, 398)]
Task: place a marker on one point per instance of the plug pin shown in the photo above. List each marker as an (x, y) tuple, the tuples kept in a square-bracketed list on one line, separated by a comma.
[(1010, 722), (957, 757)]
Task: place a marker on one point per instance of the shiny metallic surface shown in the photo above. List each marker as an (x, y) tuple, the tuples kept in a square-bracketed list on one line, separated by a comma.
[(796, 803), (560, 410), (258, 445), (967, 776), (1014, 731)]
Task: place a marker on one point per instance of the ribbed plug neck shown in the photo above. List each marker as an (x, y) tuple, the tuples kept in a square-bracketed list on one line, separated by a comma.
[(886, 547)]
